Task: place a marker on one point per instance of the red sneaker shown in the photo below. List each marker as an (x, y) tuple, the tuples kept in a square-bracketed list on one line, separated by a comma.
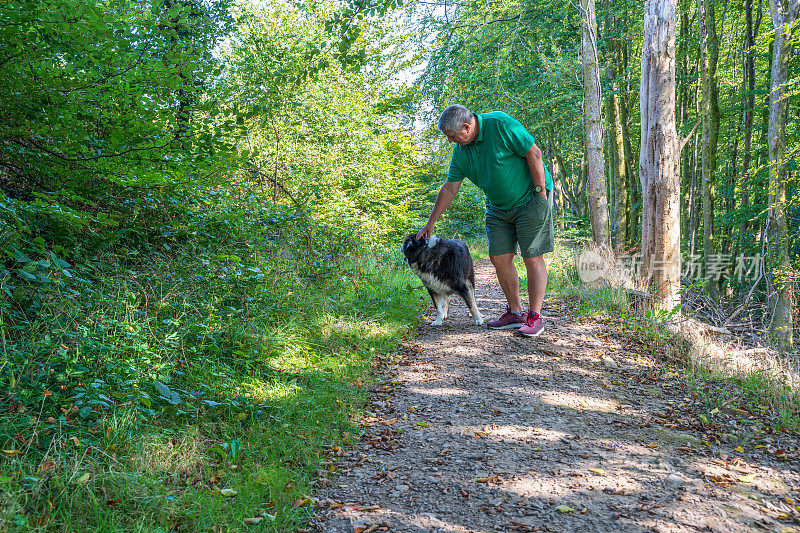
[(508, 320), (533, 326)]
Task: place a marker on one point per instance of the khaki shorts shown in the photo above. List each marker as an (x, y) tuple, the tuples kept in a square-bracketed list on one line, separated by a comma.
[(530, 226)]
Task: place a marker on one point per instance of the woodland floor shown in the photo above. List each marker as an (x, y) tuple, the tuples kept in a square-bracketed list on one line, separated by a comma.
[(481, 430)]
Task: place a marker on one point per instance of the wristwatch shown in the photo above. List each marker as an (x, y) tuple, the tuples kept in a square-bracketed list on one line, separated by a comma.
[(538, 188)]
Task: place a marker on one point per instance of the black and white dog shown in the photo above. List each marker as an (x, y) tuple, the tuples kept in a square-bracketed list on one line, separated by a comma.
[(445, 268)]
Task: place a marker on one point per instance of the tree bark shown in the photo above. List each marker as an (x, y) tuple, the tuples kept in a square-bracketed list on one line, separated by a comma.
[(633, 189), (783, 16), (616, 149), (620, 186), (659, 158), (749, 73), (593, 123), (710, 112), (683, 107)]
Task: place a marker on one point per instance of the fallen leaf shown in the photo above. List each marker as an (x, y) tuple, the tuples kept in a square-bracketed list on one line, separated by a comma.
[(423, 424), (487, 479), (651, 445), (84, 478), (598, 471), (739, 449), (45, 465), (253, 521), (747, 479), (12, 453), (228, 493), (564, 509)]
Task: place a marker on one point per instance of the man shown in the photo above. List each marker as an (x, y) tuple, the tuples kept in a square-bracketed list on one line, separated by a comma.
[(496, 153)]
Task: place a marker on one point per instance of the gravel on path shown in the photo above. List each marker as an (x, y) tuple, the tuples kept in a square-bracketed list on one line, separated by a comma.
[(480, 430)]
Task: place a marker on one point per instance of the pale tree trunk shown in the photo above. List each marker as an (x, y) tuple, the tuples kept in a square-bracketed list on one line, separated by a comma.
[(660, 156), (783, 16), (592, 101), (709, 108)]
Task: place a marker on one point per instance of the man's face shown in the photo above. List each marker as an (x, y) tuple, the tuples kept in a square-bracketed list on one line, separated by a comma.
[(464, 136)]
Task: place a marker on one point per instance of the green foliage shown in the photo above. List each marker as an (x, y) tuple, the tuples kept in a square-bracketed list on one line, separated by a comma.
[(239, 334), (104, 90), (321, 136), (194, 275)]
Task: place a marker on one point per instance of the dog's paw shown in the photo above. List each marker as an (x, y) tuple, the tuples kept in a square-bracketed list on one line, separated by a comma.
[(478, 321), (436, 323)]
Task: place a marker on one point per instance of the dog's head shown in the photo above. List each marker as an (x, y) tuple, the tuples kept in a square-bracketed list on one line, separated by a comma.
[(412, 247)]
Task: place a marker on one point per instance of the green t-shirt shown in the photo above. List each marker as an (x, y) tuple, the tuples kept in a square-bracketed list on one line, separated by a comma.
[(496, 163)]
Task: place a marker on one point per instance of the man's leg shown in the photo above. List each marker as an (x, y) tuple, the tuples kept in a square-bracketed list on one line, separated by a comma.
[(536, 269), (509, 279)]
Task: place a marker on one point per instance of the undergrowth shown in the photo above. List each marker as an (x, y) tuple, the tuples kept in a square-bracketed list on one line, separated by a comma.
[(189, 376), (760, 393)]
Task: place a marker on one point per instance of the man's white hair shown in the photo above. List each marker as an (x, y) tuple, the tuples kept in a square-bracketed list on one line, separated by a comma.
[(453, 118)]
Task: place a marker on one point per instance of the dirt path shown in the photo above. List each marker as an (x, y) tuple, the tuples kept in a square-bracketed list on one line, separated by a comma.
[(479, 430)]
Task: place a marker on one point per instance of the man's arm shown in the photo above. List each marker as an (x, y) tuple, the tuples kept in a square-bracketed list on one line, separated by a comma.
[(443, 201), (534, 159)]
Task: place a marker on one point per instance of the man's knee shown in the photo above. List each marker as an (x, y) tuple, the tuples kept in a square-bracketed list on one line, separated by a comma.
[(501, 260), (537, 261)]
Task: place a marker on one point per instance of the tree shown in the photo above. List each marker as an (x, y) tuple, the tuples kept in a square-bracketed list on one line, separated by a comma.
[(784, 14), (659, 160), (593, 122), (709, 44)]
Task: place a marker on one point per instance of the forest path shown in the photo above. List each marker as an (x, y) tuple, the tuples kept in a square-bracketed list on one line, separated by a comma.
[(481, 430)]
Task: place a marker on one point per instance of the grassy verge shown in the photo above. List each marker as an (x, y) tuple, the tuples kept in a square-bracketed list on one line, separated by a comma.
[(199, 381)]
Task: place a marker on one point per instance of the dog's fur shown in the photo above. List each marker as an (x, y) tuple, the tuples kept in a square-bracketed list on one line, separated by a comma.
[(445, 268)]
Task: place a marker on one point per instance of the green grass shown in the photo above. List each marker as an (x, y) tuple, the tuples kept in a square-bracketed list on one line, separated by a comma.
[(145, 398)]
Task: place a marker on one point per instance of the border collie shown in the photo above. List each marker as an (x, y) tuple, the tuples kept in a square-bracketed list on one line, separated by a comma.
[(445, 268)]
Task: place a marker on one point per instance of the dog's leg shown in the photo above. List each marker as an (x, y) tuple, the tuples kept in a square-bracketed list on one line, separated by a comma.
[(440, 302), (446, 298), (468, 293)]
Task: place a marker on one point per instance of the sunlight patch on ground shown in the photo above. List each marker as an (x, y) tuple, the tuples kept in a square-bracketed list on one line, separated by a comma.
[(261, 391), (181, 455), (579, 402), (522, 434), (439, 391)]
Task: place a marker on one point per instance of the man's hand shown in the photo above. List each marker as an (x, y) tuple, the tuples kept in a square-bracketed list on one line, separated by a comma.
[(443, 201), (425, 232), (536, 167)]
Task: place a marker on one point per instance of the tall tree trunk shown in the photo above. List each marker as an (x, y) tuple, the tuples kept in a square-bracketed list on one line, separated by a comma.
[(693, 201), (593, 123), (783, 16), (620, 223), (710, 113), (683, 107), (749, 105), (660, 155), (633, 183)]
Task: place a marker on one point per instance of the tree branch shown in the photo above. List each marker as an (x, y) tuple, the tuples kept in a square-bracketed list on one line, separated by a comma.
[(688, 137)]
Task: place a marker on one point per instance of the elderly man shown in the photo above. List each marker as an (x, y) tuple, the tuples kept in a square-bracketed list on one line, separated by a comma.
[(496, 153)]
